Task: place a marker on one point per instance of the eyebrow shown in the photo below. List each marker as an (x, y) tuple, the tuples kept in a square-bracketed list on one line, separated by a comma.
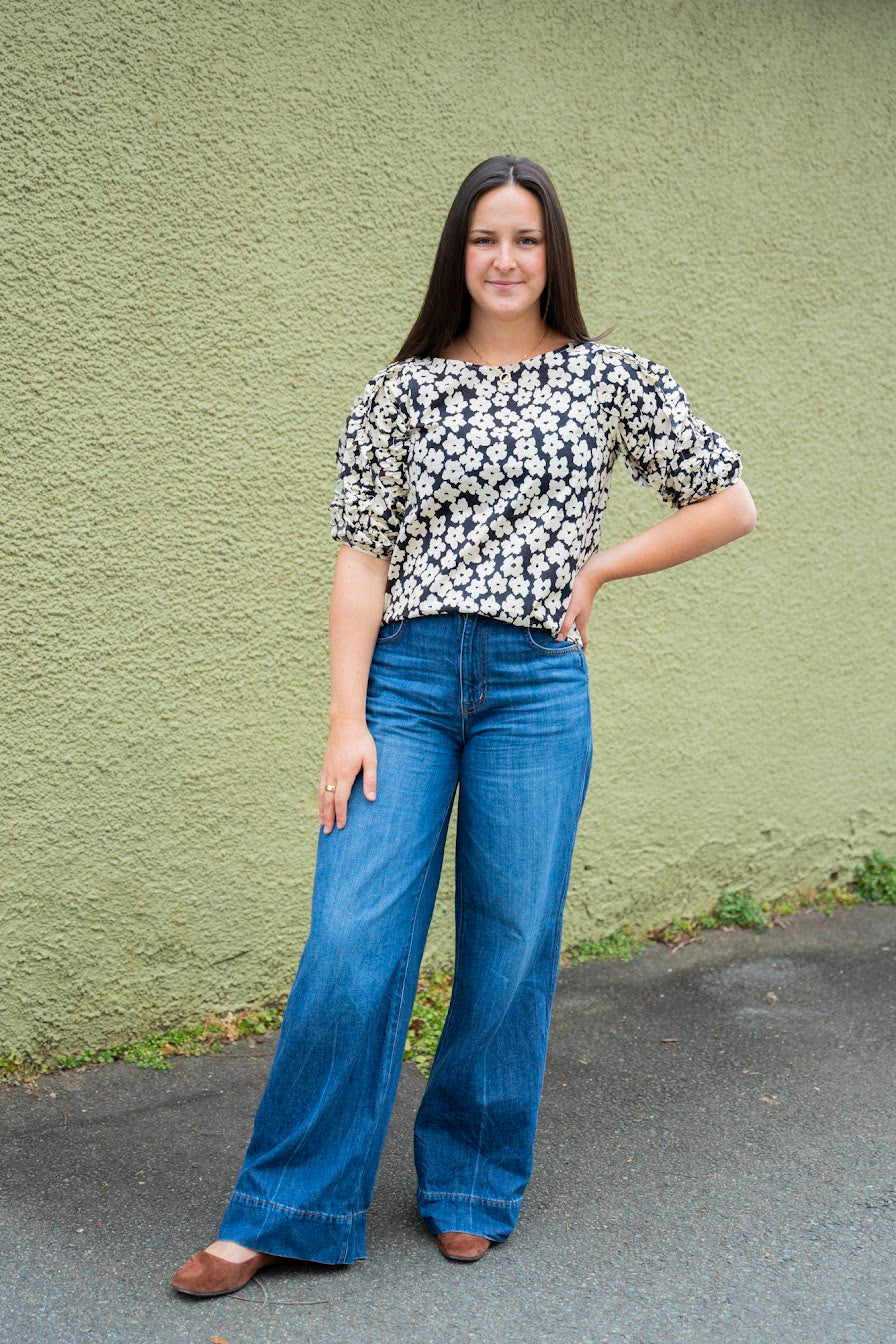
[(530, 230)]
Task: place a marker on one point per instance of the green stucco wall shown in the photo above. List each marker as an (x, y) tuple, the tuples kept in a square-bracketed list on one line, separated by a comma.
[(218, 221)]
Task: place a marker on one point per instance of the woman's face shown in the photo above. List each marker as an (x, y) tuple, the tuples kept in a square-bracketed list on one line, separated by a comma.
[(505, 257)]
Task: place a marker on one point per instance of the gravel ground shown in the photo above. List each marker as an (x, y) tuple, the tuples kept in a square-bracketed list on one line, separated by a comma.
[(714, 1165)]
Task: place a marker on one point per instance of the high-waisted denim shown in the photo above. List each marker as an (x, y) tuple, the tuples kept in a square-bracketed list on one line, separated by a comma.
[(503, 712)]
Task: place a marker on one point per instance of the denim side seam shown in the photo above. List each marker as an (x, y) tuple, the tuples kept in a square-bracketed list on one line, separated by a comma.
[(399, 999), (558, 933), (459, 933), (484, 691), (484, 1120)]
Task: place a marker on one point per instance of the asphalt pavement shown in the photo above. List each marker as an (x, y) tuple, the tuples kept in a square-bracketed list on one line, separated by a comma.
[(715, 1164)]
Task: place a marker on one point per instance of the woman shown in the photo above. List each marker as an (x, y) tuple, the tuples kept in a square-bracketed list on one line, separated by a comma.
[(473, 477)]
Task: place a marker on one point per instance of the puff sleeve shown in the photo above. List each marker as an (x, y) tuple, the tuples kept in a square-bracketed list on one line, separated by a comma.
[(660, 440), (368, 506)]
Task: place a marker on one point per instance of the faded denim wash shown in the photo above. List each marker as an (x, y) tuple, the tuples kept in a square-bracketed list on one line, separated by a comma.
[(503, 712)]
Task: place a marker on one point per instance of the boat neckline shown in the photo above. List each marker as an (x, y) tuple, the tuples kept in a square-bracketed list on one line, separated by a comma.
[(517, 364)]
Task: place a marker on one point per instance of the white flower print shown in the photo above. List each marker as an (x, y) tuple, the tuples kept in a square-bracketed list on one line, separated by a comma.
[(453, 471), (433, 460), (490, 498)]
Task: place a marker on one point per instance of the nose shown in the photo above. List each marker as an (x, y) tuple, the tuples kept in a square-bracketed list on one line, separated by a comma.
[(504, 260)]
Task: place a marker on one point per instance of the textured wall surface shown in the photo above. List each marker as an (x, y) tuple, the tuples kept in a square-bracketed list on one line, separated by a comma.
[(218, 222)]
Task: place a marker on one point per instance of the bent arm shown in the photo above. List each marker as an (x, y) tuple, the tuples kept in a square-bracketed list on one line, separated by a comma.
[(692, 530), (356, 613)]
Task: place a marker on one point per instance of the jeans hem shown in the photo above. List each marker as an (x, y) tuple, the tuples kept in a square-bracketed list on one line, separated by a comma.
[(443, 1211), (298, 1234)]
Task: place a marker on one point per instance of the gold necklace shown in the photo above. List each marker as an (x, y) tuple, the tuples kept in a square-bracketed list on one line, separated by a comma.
[(504, 380)]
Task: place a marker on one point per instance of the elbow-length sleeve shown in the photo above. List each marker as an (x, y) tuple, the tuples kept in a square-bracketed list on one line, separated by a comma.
[(368, 506), (663, 443)]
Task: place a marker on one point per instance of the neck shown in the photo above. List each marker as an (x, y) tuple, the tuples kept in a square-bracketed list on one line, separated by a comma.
[(507, 342)]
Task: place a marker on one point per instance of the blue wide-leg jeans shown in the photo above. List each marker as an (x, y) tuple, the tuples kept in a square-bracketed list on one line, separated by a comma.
[(500, 713)]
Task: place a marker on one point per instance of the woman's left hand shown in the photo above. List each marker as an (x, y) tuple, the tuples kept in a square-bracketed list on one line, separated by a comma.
[(586, 585)]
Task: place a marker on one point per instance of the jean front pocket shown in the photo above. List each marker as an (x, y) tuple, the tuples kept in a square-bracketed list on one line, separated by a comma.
[(545, 642), (390, 631)]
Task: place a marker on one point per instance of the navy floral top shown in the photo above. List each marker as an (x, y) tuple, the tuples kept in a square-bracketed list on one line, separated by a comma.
[(485, 486)]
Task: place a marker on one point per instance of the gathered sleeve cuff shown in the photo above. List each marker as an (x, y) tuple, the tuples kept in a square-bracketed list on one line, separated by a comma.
[(368, 505), (662, 442)]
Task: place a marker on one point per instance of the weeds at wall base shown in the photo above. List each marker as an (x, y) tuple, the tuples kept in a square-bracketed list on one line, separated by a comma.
[(874, 883)]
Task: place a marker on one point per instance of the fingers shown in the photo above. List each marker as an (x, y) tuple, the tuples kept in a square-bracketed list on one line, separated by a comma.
[(326, 805), (332, 805), (565, 629)]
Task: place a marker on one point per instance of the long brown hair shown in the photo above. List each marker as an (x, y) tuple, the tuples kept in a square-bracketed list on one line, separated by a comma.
[(445, 313)]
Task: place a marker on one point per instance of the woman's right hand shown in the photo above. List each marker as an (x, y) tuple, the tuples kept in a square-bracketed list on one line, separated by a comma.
[(350, 748)]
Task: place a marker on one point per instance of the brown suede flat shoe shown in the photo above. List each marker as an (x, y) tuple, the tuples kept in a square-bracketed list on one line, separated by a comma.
[(207, 1275), (462, 1245)]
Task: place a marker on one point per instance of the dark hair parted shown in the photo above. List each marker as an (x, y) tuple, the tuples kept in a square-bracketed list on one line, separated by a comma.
[(445, 313)]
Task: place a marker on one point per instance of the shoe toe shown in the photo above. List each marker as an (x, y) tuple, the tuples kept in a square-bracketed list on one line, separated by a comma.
[(206, 1275), (462, 1245)]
